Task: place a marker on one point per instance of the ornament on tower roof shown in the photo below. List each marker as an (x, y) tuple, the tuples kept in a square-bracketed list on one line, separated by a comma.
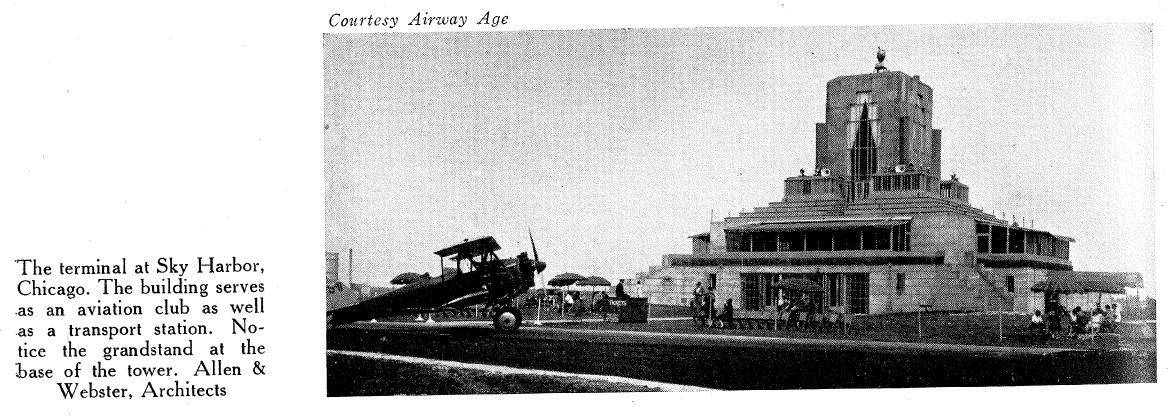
[(880, 60)]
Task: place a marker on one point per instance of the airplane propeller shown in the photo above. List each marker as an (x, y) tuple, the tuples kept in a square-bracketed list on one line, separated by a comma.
[(539, 265)]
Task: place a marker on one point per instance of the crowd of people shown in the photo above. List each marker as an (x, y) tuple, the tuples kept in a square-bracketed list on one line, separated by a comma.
[(705, 313), (1076, 323)]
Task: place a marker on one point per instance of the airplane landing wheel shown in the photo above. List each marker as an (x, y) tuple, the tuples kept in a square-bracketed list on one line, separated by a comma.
[(507, 319)]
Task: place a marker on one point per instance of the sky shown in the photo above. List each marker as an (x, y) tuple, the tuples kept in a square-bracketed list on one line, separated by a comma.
[(612, 146)]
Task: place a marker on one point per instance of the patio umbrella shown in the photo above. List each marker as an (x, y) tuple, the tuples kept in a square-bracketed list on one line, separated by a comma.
[(406, 278), (799, 285), (594, 281), (564, 279)]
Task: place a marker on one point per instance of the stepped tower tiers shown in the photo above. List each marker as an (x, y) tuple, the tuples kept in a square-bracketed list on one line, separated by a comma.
[(874, 223), (878, 140)]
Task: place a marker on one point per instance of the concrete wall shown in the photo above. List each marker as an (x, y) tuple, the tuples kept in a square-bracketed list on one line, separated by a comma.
[(718, 237), (936, 151), (945, 287), (895, 94), (949, 233)]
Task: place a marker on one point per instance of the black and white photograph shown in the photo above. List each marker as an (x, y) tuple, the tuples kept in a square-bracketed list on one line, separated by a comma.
[(571, 208), (738, 208)]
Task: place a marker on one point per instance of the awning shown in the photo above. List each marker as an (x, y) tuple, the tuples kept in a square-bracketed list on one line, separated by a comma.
[(1058, 285), (816, 225), (1082, 282)]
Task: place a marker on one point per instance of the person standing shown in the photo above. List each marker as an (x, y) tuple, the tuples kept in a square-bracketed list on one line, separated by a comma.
[(1054, 323), (1108, 319), (698, 294), (696, 305), (710, 308), (568, 302), (1037, 327)]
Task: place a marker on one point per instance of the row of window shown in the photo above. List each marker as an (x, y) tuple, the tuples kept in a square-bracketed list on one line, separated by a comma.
[(897, 183), (880, 183), (998, 239), (847, 291), (896, 238)]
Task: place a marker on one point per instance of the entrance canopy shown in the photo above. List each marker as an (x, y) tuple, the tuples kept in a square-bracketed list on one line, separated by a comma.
[(1083, 282)]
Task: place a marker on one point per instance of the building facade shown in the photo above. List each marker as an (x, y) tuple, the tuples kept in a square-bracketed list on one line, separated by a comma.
[(875, 223)]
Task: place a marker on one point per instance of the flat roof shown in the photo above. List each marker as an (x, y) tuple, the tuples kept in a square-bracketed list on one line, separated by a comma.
[(821, 224)]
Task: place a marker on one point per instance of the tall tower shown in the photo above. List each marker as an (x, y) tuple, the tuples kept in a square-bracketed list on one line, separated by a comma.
[(878, 122)]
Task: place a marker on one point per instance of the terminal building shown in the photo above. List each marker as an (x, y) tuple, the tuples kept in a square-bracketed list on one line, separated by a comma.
[(875, 224)]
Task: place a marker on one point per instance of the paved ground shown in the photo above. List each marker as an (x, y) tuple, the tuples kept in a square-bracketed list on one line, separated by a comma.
[(732, 362), (555, 329), (612, 382)]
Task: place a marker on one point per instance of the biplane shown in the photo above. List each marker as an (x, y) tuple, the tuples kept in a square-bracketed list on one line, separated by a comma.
[(477, 276)]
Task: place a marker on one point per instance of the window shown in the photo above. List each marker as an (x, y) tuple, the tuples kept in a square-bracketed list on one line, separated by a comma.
[(834, 289), (759, 242), (864, 131), (791, 241), (713, 280), (1017, 240), (1010, 284), (759, 290), (894, 238), (806, 187), (861, 189), (998, 239), (846, 239), (750, 294), (900, 283), (857, 292), (901, 237), (983, 238)]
